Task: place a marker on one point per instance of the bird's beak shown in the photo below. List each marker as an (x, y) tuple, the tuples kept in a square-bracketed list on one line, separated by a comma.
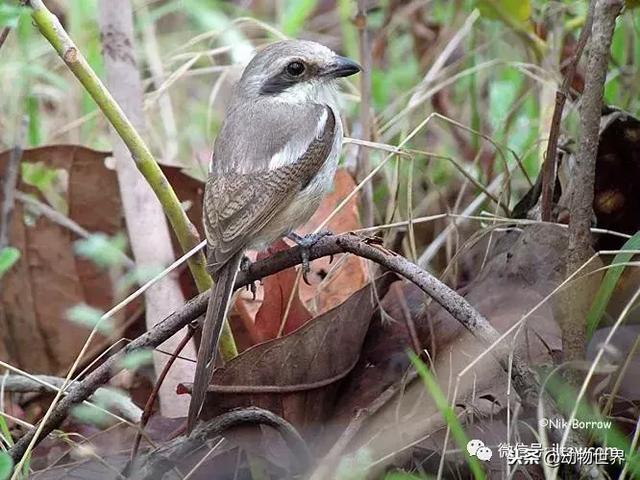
[(342, 67)]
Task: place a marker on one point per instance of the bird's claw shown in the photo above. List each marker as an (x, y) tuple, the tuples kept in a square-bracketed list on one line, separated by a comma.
[(253, 289), (306, 242), (245, 265)]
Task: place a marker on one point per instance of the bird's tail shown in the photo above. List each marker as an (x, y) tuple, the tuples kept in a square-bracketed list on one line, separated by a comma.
[(217, 309)]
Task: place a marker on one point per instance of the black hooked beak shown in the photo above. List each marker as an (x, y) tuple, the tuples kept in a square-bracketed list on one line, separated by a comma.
[(342, 67)]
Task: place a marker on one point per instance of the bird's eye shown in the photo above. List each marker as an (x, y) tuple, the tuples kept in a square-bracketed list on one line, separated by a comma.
[(295, 69)]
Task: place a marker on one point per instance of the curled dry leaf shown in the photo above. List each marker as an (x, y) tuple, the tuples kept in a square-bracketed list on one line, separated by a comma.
[(50, 278), (297, 376)]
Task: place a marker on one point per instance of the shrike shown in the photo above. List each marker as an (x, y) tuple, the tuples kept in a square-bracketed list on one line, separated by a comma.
[(274, 159)]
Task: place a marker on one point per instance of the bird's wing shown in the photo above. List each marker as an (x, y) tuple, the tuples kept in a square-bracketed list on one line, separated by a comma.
[(251, 137), (239, 205)]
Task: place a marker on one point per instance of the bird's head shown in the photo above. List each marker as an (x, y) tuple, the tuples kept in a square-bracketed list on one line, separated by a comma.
[(294, 71)]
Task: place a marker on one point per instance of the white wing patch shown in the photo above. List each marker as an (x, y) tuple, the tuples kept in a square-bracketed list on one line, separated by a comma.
[(296, 147)]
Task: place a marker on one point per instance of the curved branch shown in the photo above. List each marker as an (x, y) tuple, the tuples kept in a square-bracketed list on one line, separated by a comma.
[(162, 460)]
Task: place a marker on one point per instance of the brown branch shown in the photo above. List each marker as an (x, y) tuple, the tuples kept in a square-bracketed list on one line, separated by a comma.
[(583, 174), (37, 384), (523, 380), (549, 165), (163, 459)]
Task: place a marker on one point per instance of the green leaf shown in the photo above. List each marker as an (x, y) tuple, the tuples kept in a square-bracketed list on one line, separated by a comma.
[(517, 11), (5, 433), (38, 175), (103, 250), (111, 398), (8, 257), (90, 317), (609, 283), (49, 181), (138, 276), (296, 15), (91, 415), (10, 15), (6, 466), (137, 359)]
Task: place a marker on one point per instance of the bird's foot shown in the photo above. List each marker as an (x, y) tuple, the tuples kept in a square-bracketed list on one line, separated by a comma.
[(245, 265), (306, 242)]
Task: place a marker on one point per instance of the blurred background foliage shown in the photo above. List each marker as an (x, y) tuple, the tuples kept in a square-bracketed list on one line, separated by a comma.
[(490, 71)]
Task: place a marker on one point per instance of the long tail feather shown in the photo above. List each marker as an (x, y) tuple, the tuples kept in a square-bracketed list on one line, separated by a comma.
[(217, 310)]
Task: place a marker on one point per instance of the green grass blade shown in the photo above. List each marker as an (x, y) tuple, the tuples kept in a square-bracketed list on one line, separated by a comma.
[(448, 413), (296, 15), (5, 432), (6, 466), (609, 284), (8, 257)]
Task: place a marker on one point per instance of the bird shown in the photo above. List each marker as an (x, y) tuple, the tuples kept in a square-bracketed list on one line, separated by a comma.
[(273, 160)]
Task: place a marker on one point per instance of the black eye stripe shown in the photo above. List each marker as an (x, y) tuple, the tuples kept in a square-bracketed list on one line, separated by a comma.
[(277, 84), (291, 74)]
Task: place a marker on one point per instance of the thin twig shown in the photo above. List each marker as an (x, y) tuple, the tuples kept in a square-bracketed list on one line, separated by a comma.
[(549, 166), (50, 383), (61, 219), (148, 407)]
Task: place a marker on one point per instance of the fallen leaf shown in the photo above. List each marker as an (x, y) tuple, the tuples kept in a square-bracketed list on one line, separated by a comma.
[(297, 376), (278, 301), (49, 278)]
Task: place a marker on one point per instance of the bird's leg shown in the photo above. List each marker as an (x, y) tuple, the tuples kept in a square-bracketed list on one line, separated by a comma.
[(245, 265), (306, 242)]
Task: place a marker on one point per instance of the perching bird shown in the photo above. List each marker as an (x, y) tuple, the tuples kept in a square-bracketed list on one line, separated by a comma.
[(274, 159)]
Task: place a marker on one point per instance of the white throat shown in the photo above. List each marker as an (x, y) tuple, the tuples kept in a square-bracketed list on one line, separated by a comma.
[(321, 92)]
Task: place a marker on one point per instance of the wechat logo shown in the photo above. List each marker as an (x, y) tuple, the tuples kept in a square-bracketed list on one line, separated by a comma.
[(477, 449)]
